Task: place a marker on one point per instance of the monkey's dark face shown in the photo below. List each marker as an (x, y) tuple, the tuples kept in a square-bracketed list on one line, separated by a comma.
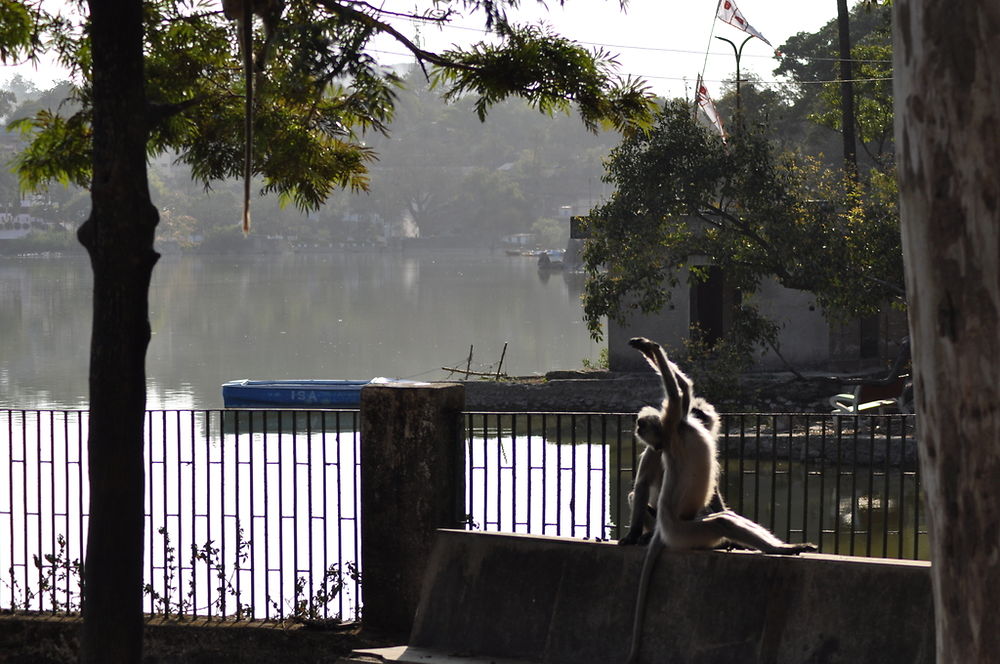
[(649, 427)]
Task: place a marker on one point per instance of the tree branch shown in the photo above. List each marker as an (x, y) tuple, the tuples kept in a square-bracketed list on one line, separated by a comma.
[(353, 14), (159, 112)]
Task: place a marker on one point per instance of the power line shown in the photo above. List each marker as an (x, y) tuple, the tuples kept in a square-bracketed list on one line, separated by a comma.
[(709, 80), (661, 49)]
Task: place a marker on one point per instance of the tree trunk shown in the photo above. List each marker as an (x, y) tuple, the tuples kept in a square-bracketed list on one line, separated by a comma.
[(947, 95), (846, 87), (119, 239)]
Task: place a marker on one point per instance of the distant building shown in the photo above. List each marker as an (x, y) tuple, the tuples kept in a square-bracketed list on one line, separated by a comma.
[(806, 338), (520, 240)]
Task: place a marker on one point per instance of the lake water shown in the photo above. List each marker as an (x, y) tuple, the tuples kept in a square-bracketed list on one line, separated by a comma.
[(343, 315)]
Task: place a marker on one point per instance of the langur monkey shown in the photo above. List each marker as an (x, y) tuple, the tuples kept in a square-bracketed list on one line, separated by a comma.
[(690, 479), (649, 472), (243, 11)]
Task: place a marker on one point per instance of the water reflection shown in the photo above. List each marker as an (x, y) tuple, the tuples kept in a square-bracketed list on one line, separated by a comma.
[(345, 315)]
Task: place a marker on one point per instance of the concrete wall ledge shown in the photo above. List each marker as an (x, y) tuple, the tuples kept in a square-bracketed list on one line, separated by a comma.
[(555, 600)]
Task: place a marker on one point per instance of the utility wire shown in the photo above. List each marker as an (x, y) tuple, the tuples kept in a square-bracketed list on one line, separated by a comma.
[(683, 78), (661, 49)]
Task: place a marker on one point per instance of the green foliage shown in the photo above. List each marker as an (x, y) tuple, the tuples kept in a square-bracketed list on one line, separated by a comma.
[(551, 232), (317, 98), (685, 199), (602, 363), (18, 33), (58, 149), (550, 72), (811, 61), (715, 368), (873, 105)]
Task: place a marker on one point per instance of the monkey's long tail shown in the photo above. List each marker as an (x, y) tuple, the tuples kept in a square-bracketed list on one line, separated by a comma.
[(652, 553)]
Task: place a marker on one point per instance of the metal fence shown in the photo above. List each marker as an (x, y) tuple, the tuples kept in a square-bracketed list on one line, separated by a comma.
[(850, 484), (249, 514), (254, 514)]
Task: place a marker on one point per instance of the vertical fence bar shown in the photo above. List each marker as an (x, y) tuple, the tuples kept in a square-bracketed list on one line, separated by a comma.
[(26, 511), (854, 482), (840, 447), (148, 442), (356, 474), (37, 514), (741, 479), (164, 529), (788, 475), (309, 515), (805, 481), (545, 484), (486, 478), (513, 473), (340, 503), (572, 474), (871, 487), (559, 474), (264, 515), (589, 525), (280, 521), (501, 459), (885, 488), (772, 516), (530, 469), (52, 500), (66, 508), (10, 498), (80, 451), (822, 484), (916, 515), (469, 495)]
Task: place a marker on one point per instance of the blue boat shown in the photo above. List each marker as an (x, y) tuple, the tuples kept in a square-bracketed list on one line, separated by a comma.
[(295, 393)]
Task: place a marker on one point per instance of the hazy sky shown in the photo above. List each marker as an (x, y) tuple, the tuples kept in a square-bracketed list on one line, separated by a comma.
[(663, 41)]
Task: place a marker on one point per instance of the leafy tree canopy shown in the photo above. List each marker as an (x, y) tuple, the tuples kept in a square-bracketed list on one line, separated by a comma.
[(811, 60), (319, 94), (686, 199)]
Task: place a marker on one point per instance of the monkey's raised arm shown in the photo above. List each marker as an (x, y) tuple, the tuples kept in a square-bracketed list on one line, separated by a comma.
[(677, 387)]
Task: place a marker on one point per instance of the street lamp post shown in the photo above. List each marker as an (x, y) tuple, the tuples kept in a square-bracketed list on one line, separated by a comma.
[(738, 52)]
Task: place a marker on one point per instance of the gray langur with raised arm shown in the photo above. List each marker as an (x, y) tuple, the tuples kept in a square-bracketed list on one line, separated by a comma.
[(690, 479), (649, 471)]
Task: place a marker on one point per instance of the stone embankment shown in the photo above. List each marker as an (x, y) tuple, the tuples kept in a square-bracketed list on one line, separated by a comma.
[(603, 391)]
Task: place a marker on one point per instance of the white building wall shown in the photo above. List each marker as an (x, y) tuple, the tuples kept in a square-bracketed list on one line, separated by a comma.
[(804, 337)]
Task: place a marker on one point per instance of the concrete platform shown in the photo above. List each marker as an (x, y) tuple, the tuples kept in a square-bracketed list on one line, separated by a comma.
[(506, 598)]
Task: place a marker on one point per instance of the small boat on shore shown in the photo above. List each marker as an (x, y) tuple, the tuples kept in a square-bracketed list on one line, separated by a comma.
[(296, 393), (551, 259)]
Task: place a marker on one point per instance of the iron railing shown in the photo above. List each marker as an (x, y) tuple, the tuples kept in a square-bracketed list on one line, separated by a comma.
[(249, 514), (254, 514), (850, 484)]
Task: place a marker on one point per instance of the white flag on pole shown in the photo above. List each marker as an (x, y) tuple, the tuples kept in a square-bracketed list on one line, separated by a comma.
[(728, 13), (708, 107)]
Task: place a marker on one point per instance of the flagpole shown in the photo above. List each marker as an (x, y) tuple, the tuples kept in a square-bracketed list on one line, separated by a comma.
[(711, 33)]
